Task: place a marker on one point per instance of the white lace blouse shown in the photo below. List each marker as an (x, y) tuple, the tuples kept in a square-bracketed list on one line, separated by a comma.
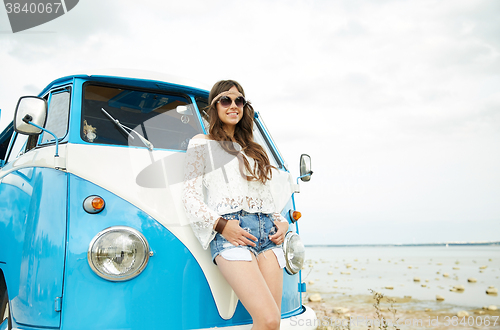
[(213, 186)]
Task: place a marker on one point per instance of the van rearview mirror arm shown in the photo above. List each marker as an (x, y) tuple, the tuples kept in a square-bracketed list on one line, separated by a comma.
[(303, 176), (27, 119)]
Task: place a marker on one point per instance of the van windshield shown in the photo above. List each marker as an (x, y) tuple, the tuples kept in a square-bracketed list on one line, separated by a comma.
[(168, 120)]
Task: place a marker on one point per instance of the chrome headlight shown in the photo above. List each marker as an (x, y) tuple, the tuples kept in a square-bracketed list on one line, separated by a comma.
[(294, 252), (118, 253)]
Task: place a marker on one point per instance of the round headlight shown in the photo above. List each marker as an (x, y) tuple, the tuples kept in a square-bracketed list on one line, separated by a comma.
[(118, 253), (294, 252)]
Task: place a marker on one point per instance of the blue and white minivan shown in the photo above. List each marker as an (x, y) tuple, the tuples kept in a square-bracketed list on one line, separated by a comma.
[(93, 233)]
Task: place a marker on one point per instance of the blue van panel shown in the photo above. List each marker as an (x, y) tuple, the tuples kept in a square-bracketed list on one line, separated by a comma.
[(171, 293), (292, 298), (32, 229)]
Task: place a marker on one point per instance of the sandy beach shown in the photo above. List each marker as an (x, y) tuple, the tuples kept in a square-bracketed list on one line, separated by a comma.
[(334, 313), (430, 288)]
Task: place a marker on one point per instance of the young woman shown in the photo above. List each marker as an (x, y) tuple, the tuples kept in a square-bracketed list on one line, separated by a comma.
[(228, 201)]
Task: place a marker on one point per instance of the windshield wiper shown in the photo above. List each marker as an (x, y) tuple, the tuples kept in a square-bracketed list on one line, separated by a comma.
[(122, 127)]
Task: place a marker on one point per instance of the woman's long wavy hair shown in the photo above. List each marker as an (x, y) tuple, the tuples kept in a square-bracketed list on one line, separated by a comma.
[(243, 135)]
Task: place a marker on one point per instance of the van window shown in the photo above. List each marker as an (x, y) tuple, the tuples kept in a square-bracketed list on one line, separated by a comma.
[(5, 137), (167, 120), (259, 138), (58, 114), (202, 103), (18, 146)]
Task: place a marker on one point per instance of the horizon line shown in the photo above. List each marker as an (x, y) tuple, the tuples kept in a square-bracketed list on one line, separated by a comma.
[(408, 244)]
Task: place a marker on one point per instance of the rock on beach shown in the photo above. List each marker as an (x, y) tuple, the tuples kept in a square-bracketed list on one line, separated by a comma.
[(439, 297), (315, 297), (340, 310), (491, 290)]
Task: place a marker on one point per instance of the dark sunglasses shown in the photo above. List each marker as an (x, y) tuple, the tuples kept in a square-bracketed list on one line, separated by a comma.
[(226, 101)]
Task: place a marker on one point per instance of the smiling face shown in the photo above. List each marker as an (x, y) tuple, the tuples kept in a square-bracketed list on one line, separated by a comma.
[(231, 115)]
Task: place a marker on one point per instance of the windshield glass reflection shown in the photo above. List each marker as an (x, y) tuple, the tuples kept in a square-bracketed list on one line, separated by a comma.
[(167, 120)]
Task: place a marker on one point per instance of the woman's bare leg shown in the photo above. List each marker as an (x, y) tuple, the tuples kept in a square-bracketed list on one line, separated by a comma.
[(248, 283), (273, 275)]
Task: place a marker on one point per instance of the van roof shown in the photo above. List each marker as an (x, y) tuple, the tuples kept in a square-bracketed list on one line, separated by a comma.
[(137, 74)]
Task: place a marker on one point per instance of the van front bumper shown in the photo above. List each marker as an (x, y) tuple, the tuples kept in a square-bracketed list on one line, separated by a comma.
[(305, 321)]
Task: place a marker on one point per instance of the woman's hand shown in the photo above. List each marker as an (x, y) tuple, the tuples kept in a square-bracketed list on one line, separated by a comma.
[(237, 235), (279, 236)]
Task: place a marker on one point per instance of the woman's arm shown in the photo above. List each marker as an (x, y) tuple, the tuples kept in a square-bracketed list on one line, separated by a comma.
[(201, 217)]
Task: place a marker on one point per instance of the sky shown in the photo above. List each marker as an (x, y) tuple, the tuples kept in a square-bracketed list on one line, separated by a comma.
[(396, 102)]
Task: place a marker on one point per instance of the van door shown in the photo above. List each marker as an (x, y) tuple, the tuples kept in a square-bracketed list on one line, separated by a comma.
[(33, 213)]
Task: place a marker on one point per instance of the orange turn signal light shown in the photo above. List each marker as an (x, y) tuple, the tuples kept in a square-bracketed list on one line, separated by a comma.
[(93, 204), (295, 215), (98, 203)]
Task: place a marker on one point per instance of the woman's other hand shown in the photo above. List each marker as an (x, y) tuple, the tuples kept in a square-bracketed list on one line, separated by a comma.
[(279, 236), (237, 235)]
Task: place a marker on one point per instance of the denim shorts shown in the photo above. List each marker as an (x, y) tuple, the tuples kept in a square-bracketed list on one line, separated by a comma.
[(261, 226)]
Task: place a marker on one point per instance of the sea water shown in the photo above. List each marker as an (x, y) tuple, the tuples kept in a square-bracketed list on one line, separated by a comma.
[(355, 270)]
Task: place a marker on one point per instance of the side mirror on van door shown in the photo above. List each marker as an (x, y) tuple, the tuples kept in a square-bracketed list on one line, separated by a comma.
[(305, 167), (36, 109)]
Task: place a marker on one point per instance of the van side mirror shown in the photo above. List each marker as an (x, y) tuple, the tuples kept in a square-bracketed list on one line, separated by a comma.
[(305, 167), (30, 109)]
